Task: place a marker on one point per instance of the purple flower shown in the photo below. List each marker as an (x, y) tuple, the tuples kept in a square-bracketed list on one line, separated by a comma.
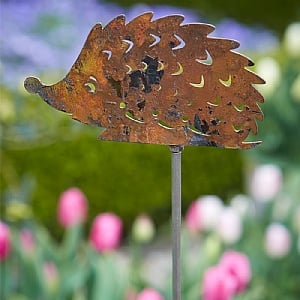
[(258, 39)]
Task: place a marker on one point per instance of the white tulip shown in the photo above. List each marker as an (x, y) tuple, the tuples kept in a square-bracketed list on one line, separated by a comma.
[(229, 227), (143, 229), (210, 208), (269, 70), (277, 240), (266, 182), (242, 204), (292, 39)]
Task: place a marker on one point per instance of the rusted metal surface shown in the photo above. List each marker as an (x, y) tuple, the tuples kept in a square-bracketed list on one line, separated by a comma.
[(160, 82)]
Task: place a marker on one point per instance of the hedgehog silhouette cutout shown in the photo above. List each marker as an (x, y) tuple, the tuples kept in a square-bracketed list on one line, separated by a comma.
[(160, 82)]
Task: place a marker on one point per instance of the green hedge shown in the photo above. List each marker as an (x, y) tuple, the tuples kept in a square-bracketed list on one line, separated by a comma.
[(124, 178)]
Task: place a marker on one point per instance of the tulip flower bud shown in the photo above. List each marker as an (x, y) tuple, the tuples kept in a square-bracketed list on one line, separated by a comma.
[(143, 229), (238, 265), (50, 273), (204, 213), (292, 40), (149, 294), (266, 182), (106, 232), (27, 241), (5, 243), (218, 284), (72, 208), (277, 240), (229, 227)]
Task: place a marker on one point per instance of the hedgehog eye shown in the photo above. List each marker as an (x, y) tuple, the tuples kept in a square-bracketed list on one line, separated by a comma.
[(181, 43), (207, 61)]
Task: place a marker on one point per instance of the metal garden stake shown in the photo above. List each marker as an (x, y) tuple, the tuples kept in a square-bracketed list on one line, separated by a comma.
[(160, 82)]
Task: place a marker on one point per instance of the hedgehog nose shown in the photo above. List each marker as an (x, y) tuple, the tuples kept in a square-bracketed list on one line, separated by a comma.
[(32, 85)]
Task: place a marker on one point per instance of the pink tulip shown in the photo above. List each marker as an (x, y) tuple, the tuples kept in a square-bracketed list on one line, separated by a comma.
[(218, 284), (149, 294), (238, 266), (72, 208), (5, 243), (192, 219), (106, 232), (27, 241), (50, 273)]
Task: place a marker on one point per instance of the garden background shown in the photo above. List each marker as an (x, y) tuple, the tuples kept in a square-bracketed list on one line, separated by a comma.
[(44, 152)]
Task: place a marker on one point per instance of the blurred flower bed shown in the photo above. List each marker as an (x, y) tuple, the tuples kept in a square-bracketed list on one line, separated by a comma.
[(247, 249)]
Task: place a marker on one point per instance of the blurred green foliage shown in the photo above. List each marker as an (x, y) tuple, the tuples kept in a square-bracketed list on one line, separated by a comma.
[(273, 14), (280, 133), (127, 179)]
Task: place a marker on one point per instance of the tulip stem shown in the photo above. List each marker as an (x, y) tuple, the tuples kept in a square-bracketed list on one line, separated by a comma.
[(176, 220)]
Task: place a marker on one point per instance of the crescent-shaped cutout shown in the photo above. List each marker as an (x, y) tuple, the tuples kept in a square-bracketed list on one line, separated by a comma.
[(181, 44), (129, 69), (227, 82), (130, 45), (156, 40), (198, 85), (161, 66), (207, 61), (108, 52), (180, 70)]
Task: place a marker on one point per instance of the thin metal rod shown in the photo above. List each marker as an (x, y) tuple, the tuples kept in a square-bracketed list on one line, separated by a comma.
[(176, 220)]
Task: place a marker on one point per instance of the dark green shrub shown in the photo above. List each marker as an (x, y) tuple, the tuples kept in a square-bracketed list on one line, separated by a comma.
[(124, 178)]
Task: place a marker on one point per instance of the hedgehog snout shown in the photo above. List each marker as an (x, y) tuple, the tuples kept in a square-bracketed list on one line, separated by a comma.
[(32, 85)]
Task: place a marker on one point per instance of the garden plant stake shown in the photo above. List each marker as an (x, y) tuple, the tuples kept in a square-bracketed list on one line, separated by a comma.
[(161, 82)]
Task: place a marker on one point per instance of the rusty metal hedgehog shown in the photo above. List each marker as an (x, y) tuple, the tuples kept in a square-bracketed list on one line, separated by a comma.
[(161, 82)]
